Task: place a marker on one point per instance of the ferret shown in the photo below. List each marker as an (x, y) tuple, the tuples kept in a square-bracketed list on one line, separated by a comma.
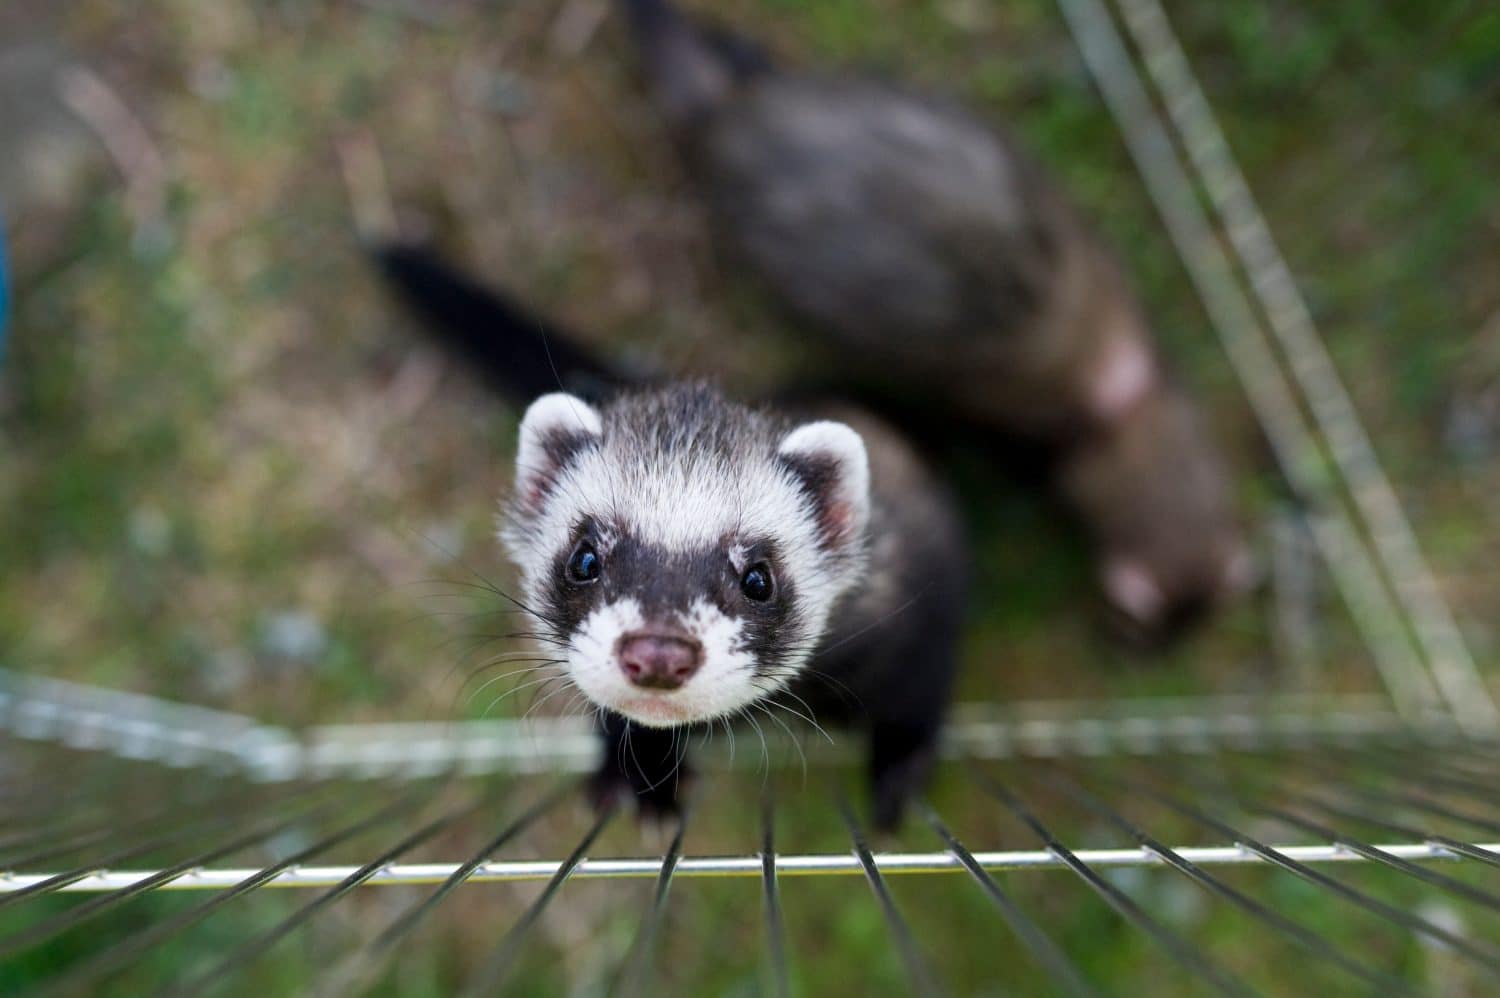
[(934, 251), (693, 559)]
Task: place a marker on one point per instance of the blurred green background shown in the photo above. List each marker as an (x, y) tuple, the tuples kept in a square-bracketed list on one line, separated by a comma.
[(231, 474)]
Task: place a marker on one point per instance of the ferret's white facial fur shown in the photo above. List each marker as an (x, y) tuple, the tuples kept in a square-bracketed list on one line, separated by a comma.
[(725, 684), (688, 474)]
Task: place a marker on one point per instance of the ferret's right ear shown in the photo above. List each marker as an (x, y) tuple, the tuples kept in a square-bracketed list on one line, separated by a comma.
[(829, 460), (555, 428)]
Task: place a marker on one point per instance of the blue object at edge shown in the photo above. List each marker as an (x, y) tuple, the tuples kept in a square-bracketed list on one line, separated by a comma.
[(4, 295)]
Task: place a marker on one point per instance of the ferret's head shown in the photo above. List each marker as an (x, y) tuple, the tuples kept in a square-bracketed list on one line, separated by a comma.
[(684, 552), (1157, 497)]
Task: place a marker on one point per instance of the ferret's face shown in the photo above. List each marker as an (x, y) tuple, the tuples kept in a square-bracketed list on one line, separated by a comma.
[(1159, 501), (683, 553)]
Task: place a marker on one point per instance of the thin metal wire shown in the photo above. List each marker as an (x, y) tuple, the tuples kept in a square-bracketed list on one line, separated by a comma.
[(1454, 774), (72, 844), (1471, 758), (141, 727), (59, 838), (196, 825), (1420, 803), (1288, 859), (1400, 828), (360, 966), (638, 966), (404, 925), (1375, 854), (1343, 768), (1042, 948), (253, 948), (1271, 279), (1117, 899), (1378, 617), (1445, 772), (1401, 764), (1174, 725), (775, 929), (418, 750), (1489, 856), (1291, 929), (487, 979), (745, 867), (1335, 772), (74, 836), (922, 979), (73, 916), (122, 953)]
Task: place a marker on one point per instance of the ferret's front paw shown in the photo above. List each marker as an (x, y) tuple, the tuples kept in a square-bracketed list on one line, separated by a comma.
[(896, 781), (891, 797)]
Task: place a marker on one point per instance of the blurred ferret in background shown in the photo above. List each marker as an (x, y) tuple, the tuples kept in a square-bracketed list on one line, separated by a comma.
[(938, 253)]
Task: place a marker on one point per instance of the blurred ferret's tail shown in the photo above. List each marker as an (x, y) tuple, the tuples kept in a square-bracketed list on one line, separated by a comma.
[(518, 352), (691, 67)]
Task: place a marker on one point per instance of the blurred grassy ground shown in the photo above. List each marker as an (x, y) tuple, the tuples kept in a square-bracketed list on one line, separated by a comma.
[(231, 475)]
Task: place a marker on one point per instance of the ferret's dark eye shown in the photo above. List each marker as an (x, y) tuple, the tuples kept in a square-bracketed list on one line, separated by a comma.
[(583, 564), (756, 583)]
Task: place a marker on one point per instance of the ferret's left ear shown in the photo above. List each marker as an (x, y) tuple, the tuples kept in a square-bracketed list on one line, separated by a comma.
[(829, 461)]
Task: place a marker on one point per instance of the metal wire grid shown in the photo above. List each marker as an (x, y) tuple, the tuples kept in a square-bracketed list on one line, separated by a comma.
[(1427, 812), (1293, 387), (149, 729), (1418, 778), (289, 805)]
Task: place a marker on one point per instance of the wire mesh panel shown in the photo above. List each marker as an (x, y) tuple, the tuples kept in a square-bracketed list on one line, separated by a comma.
[(1367, 859), (1173, 846)]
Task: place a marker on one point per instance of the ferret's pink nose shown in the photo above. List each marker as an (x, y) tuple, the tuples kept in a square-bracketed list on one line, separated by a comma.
[(658, 661)]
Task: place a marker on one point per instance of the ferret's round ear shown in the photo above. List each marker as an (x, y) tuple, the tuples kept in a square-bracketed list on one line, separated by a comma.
[(555, 428), (830, 463)]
